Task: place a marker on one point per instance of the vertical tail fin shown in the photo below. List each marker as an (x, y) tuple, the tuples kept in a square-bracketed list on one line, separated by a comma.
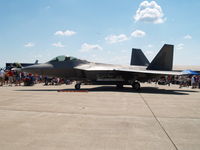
[(163, 60), (138, 58), (36, 62)]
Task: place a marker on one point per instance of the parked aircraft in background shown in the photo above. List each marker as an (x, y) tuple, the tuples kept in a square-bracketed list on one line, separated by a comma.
[(84, 71)]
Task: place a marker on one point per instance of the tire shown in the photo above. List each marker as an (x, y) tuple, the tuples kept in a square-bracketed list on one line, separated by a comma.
[(120, 86), (78, 86), (136, 86)]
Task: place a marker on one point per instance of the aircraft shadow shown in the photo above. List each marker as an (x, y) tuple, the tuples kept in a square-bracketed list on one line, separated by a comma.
[(147, 90)]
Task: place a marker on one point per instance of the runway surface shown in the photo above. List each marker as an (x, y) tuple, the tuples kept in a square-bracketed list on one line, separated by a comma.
[(99, 118)]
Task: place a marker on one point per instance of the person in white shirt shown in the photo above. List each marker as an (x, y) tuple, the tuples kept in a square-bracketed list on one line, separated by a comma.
[(193, 82), (2, 77)]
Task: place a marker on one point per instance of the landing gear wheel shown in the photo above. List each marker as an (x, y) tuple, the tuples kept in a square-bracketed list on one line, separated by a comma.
[(136, 86), (120, 86), (78, 86)]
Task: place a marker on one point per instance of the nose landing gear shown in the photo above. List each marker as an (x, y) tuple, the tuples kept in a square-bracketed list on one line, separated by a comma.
[(78, 86)]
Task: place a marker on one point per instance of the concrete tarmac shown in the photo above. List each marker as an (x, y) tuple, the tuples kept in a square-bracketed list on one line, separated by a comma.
[(99, 118)]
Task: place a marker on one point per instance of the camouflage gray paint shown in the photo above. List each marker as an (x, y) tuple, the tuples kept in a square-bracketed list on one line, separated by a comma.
[(98, 73)]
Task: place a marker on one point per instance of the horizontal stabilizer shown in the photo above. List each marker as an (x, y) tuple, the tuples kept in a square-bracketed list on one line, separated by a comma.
[(163, 60), (138, 58)]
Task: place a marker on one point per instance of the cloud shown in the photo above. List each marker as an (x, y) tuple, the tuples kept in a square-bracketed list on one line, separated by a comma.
[(116, 38), (180, 46), (149, 12), (138, 34), (149, 46), (58, 44), (65, 33), (188, 37), (29, 44), (90, 47)]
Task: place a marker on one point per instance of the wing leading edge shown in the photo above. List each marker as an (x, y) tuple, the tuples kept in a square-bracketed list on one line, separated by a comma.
[(129, 70), (150, 72)]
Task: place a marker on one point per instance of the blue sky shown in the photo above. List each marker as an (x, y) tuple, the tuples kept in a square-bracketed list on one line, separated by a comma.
[(102, 31)]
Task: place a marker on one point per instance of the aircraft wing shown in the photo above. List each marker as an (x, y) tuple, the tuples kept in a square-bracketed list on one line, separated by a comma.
[(135, 70), (156, 72)]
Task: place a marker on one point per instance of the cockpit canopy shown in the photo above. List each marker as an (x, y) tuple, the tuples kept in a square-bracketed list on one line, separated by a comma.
[(63, 58)]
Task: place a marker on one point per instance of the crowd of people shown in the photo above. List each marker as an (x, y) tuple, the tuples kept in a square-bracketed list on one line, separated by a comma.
[(11, 77), (186, 81), (182, 81), (15, 78)]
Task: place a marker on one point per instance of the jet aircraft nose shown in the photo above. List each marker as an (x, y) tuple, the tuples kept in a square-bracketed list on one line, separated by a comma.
[(37, 69)]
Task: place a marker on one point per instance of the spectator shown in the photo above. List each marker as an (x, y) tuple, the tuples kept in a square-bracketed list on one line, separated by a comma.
[(10, 77), (198, 82), (193, 82), (17, 79), (6, 77), (2, 77), (181, 81)]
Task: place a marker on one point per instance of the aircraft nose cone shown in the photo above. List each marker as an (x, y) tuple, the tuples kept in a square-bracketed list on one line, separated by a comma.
[(36, 69)]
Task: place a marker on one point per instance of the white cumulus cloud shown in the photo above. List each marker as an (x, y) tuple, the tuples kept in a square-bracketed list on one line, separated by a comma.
[(58, 44), (149, 46), (65, 33), (138, 34), (85, 47), (116, 38), (188, 37), (180, 46), (149, 12), (29, 44)]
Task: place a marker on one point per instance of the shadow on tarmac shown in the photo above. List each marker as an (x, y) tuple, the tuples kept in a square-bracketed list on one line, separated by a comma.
[(147, 90)]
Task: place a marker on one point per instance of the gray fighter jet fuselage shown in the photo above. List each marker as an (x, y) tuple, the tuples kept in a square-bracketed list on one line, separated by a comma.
[(84, 71)]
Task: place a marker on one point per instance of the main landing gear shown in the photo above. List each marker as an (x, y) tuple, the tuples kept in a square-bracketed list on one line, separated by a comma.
[(120, 86), (136, 86)]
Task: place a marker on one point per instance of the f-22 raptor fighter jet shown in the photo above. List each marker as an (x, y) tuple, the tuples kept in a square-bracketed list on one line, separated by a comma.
[(83, 71)]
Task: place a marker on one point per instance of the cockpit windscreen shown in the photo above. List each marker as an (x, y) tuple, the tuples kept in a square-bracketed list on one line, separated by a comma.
[(62, 58)]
